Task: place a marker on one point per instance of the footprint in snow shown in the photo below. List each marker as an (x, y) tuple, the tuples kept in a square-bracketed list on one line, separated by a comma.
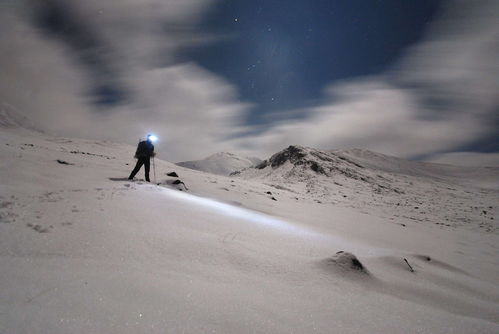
[(6, 213), (39, 228)]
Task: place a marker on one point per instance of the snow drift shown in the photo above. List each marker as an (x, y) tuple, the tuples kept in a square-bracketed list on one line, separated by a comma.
[(84, 252)]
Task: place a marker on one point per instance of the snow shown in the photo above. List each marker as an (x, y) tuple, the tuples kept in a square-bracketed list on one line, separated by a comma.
[(222, 163), (82, 252), (485, 177), (387, 187)]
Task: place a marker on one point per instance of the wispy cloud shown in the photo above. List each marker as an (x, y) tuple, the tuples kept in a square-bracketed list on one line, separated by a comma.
[(125, 80), (61, 57), (377, 116), (441, 96)]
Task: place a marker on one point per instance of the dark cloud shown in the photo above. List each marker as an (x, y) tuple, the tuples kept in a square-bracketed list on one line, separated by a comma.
[(59, 20)]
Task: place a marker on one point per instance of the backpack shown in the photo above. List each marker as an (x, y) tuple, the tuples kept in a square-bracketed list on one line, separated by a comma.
[(145, 149)]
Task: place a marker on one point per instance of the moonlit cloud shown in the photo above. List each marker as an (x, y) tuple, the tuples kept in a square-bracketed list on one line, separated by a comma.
[(441, 96), (50, 79), (38, 79), (376, 116), (126, 79)]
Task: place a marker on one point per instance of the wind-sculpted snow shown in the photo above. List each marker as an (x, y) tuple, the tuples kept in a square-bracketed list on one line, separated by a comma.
[(274, 250)]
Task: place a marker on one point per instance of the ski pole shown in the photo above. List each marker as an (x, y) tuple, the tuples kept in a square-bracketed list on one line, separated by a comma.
[(154, 169)]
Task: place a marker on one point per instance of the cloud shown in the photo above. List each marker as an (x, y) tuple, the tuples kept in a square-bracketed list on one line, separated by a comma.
[(48, 73), (457, 65), (126, 80), (376, 116), (441, 96), (193, 112), (468, 159), (38, 79)]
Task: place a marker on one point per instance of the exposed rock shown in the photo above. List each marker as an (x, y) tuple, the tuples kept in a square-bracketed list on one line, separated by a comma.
[(345, 263), (178, 184), (62, 162), (293, 154)]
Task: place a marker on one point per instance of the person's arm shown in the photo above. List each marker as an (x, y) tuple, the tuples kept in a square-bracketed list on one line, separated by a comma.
[(137, 152)]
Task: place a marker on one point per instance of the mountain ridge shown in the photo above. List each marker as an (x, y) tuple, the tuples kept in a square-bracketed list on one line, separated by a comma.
[(221, 163), (342, 178)]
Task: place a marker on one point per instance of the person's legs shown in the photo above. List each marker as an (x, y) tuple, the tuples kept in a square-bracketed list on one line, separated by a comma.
[(147, 167), (139, 164)]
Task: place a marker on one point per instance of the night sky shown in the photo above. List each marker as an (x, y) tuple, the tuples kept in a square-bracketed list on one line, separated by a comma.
[(415, 79), (281, 54)]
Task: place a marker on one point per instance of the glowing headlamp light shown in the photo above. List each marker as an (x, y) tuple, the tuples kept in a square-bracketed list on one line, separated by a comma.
[(152, 138)]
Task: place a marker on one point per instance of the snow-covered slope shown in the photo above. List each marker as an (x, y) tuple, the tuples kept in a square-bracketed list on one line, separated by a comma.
[(84, 251), (222, 163), (386, 186), (10, 118), (484, 177)]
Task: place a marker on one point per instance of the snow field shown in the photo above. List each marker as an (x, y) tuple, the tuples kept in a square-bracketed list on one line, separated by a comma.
[(81, 253)]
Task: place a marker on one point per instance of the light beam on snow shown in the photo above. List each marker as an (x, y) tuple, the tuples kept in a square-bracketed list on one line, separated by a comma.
[(244, 214), (225, 209)]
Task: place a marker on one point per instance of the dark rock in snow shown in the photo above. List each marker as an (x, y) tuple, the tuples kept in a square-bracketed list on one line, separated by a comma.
[(345, 263), (172, 174), (178, 184), (62, 162), (320, 162), (292, 154), (348, 260)]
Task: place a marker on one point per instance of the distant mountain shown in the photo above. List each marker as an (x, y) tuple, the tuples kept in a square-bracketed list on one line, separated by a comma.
[(364, 179), (11, 118), (297, 163), (315, 169), (396, 165), (487, 177), (222, 163)]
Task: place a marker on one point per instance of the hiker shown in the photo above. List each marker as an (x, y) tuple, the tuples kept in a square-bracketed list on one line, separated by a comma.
[(145, 150)]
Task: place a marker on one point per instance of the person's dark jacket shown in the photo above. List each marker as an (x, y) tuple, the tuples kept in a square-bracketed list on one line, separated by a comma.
[(145, 149)]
